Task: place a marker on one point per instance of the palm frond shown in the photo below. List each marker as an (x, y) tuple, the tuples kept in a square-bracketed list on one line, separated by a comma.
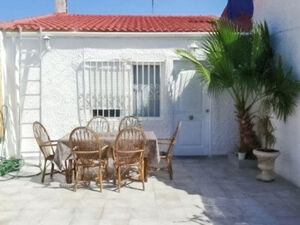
[(201, 69), (283, 91), (246, 66)]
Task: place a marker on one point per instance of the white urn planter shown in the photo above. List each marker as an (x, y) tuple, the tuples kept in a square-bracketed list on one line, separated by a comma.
[(266, 160)]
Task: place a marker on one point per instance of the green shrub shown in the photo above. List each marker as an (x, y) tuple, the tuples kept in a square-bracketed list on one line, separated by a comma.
[(10, 165)]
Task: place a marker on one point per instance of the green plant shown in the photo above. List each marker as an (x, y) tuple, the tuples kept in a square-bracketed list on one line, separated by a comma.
[(266, 131), (246, 67), (9, 165)]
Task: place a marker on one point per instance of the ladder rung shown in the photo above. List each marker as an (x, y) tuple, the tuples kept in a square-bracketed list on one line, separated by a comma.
[(30, 152), (31, 157), (26, 123), (29, 51), (29, 66), (33, 80), (31, 108), (27, 137), (30, 95)]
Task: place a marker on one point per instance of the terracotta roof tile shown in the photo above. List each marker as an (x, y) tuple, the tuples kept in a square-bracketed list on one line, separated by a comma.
[(111, 23)]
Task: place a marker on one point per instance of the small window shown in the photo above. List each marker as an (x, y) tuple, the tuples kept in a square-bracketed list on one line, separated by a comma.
[(117, 88), (146, 87), (107, 112)]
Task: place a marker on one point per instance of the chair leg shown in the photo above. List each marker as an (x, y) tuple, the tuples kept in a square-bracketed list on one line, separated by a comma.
[(52, 170), (170, 169), (142, 175), (75, 171), (100, 178), (145, 169), (44, 171), (76, 178), (83, 172), (106, 171), (114, 175), (119, 178)]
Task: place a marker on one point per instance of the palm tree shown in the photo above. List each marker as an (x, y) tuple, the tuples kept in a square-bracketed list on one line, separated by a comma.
[(245, 65)]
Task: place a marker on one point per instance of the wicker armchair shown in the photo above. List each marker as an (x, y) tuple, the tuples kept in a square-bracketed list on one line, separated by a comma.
[(99, 124), (86, 149), (46, 145), (167, 156), (129, 153), (129, 121)]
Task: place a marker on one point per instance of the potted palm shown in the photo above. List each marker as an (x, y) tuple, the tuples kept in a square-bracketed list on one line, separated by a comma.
[(245, 66), (266, 155)]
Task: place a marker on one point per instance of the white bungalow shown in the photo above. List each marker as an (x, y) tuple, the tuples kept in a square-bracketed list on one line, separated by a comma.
[(62, 69)]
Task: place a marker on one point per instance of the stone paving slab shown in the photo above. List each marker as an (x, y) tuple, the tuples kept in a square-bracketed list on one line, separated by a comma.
[(205, 191)]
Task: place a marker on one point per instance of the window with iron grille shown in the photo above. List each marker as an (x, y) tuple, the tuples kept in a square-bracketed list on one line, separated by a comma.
[(146, 87), (119, 88)]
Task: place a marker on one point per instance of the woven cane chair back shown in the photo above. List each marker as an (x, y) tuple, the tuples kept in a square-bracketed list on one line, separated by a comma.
[(99, 124), (42, 138), (129, 146), (128, 122), (85, 145)]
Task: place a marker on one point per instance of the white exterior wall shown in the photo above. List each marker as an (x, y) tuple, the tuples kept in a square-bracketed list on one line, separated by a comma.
[(284, 22), (62, 63)]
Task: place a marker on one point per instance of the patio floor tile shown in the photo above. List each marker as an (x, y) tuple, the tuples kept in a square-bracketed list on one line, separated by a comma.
[(205, 191)]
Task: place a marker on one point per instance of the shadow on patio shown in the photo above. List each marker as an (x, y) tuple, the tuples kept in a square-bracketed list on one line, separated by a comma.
[(219, 193), (204, 191)]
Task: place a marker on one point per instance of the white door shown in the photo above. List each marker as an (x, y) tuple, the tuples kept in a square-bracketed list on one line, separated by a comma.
[(192, 107)]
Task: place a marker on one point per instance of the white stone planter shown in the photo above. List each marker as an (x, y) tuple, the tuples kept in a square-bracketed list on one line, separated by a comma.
[(266, 162)]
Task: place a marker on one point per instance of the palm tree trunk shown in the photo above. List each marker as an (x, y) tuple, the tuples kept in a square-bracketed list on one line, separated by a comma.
[(248, 137)]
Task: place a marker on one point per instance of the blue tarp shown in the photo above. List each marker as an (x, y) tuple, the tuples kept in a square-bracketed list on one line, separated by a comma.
[(237, 8)]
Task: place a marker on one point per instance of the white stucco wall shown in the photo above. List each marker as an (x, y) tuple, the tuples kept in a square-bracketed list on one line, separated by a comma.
[(62, 63), (284, 21)]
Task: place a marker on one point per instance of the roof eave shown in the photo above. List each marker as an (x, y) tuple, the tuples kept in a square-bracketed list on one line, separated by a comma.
[(83, 34)]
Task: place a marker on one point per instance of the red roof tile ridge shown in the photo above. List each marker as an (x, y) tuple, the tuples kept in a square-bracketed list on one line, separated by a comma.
[(112, 23), (140, 15), (24, 19)]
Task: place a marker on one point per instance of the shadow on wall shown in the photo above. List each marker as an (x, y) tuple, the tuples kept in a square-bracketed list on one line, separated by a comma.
[(22, 95), (81, 112), (209, 118), (11, 101), (188, 101)]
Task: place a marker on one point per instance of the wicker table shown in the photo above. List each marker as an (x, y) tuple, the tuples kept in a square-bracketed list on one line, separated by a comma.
[(63, 158)]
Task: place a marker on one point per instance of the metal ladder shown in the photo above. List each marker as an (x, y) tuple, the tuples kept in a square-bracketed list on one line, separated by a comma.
[(29, 113)]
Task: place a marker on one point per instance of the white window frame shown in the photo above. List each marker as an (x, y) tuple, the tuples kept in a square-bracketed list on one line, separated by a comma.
[(124, 110), (157, 85)]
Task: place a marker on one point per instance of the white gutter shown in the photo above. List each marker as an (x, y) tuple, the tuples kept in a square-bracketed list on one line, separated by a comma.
[(110, 34)]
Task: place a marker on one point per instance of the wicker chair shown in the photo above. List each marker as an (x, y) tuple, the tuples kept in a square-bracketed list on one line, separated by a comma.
[(86, 148), (129, 153), (129, 121), (99, 124), (166, 156), (46, 145)]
